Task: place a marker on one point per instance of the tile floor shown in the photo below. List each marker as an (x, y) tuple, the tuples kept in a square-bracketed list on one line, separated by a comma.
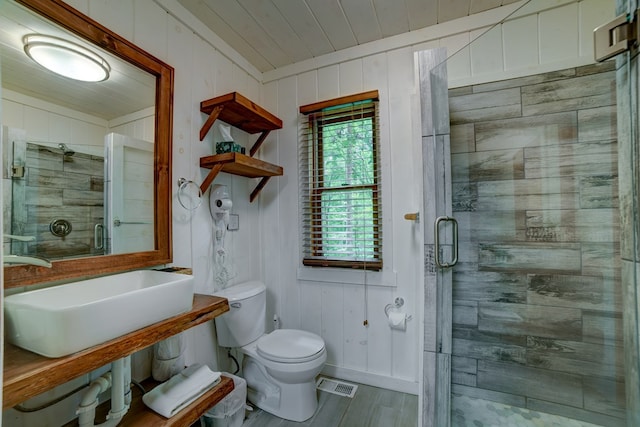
[(376, 407), (370, 407)]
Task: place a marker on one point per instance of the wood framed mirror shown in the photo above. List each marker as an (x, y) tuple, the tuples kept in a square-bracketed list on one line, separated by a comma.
[(100, 37)]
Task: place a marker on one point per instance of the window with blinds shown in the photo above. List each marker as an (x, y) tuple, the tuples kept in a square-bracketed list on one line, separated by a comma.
[(341, 210)]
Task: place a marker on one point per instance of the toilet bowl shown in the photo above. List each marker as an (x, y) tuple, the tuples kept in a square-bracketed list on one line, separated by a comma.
[(280, 367)]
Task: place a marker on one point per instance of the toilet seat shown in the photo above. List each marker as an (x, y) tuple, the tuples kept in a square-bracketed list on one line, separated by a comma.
[(290, 346)]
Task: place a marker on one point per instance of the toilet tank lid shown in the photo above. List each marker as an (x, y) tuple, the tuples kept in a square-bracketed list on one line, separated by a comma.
[(242, 291)]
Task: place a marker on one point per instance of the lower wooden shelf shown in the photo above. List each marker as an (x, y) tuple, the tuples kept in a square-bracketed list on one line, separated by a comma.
[(239, 164), (139, 415)]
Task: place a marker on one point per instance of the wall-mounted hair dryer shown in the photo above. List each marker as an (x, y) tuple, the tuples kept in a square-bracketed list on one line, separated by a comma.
[(220, 203)]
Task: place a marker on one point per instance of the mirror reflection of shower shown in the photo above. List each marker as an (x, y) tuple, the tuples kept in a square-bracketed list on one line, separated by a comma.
[(46, 182), (66, 151)]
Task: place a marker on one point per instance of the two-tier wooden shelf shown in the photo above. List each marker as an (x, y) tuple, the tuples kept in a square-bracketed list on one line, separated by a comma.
[(27, 374), (246, 115)]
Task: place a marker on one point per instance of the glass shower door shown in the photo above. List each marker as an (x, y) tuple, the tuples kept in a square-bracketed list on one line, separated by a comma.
[(537, 299), (537, 295)]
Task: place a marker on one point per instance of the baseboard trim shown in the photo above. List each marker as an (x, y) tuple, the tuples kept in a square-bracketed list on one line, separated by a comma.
[(374, 380)]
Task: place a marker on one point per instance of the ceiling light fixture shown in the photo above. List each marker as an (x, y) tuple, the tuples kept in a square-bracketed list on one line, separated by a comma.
[(66, 58)]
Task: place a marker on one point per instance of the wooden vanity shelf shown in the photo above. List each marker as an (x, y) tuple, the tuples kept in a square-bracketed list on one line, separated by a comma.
[(27, 374), (244, 114)]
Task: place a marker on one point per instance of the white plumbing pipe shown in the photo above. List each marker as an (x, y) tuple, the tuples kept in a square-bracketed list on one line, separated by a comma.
[(87, 409), (127, 380), (118, 407), (168, 358), (117, 380)]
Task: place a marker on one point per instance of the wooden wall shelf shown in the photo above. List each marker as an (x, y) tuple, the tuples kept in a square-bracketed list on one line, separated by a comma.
[(246, 115), (239, 164), (27, 374), (239, 112)]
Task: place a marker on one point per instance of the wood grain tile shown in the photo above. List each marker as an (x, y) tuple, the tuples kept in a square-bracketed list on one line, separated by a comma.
[(492, 395), (479, 226), (465, 313), (331, 409), (584, 292), (605, 396), (531, 382), (535, 320), (529, 186), (600, 191), (589, 91), (598, 124), (533, 131), (526, 81), (602, 327), (530, 257), (465, 197), (464, 370), (575, 225), (490, 351), (463, 138), (576, 357), (599, 67), (601, 259), (571, 160), (489, 286), (487, 166), (485, 106)]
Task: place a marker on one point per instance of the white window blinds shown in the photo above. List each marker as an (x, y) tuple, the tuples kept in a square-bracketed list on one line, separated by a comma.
[(340, 183)]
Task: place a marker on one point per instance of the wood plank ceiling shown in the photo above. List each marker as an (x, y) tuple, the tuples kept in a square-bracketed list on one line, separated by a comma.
[(274, 33)]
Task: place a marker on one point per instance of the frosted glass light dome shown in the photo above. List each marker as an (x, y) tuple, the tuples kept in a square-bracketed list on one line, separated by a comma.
[(66, 58)]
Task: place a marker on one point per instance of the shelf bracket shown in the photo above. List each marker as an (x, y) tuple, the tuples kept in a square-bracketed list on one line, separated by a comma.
[(258, 188), (212, 118), (215, 170), (258, 142)]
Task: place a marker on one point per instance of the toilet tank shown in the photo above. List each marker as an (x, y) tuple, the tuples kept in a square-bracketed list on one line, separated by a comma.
[(245, 320)]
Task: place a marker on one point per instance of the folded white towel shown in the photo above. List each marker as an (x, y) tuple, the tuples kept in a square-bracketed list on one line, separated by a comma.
[(168, 398)]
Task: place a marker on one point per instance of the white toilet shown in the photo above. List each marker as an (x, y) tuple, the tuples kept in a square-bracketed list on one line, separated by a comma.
[(279, 367)]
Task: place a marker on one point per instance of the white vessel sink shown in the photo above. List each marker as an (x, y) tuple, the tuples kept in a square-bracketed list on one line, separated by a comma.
[(64, 319)]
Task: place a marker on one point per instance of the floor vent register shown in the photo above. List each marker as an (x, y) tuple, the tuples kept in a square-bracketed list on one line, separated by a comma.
[(340, 388)]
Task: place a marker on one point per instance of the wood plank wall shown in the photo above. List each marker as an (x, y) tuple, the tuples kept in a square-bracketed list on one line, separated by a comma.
[(537, 307)]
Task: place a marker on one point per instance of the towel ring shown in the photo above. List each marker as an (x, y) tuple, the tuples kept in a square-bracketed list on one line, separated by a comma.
[(182, 186)]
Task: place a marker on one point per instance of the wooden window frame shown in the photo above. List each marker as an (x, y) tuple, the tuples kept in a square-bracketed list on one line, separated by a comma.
[(315, 124)]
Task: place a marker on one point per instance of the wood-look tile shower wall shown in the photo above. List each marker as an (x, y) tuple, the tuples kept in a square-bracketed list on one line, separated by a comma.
[(537, 293), (59, 187)]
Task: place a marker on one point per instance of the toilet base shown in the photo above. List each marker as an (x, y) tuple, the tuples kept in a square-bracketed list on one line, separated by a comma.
[(294, 402)]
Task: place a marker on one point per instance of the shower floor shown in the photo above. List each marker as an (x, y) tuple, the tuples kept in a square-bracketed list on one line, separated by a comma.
[(472, 412)]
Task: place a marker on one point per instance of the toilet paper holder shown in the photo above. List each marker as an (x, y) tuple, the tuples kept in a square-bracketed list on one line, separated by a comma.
[(397, 303)]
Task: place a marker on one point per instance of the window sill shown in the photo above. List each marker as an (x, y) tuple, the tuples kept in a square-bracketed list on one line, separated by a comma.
[(385, 278)]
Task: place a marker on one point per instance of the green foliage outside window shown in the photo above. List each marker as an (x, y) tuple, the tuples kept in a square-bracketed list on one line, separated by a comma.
[(339, 173), (346, 186)]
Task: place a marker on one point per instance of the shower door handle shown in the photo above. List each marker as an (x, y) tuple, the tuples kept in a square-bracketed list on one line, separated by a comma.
[(436, 232), (98, 236)]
